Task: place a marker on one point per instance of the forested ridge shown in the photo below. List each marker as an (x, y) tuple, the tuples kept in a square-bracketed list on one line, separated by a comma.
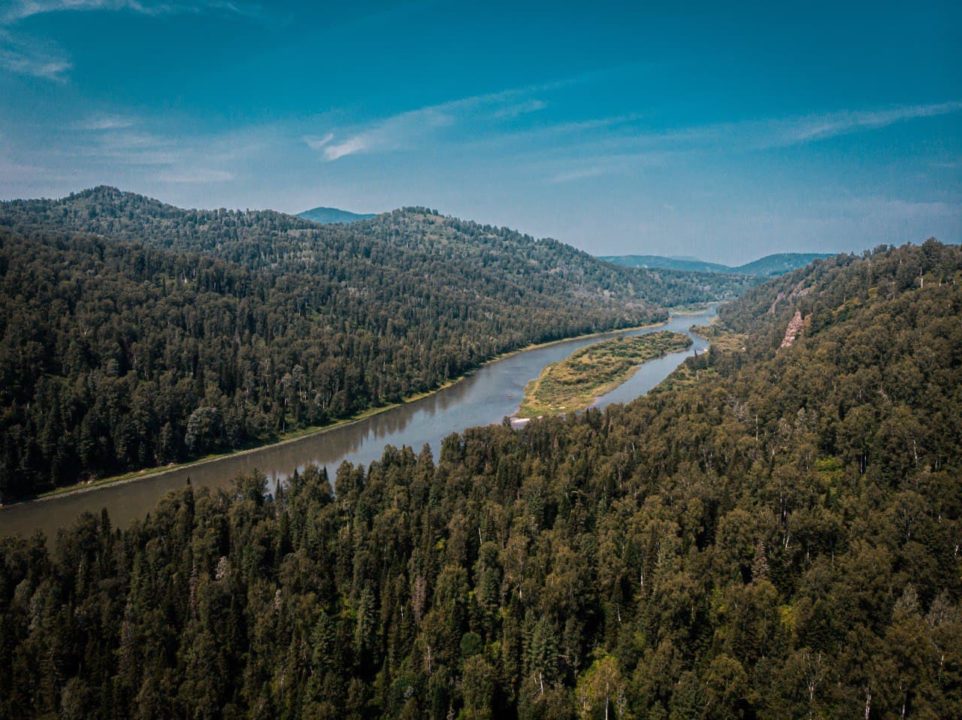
[(134, 333), (777, 538)]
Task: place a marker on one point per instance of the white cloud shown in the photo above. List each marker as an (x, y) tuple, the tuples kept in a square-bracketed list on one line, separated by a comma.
[(398, 132), (523, 108), (393, 133), (20, 9), (596, 147), (28, 56), (318, 143), (819, 127), (356, 144), (407, 129), (604, 148), (25, 55), (799, 130)]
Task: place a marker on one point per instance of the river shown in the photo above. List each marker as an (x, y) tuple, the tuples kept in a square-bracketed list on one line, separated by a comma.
[(485, 397)]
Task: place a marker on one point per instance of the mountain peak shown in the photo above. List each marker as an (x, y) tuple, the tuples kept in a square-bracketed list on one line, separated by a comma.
[(327, 215), (105, 192)]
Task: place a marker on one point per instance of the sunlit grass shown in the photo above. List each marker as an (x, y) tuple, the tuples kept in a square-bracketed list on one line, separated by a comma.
[(575, 382)]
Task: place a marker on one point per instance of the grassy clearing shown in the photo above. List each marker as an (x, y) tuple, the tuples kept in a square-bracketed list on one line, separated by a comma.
[(575, 382)]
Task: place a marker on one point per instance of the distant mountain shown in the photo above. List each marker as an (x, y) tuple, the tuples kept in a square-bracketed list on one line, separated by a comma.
[(329, 215), (658, 262), (768, 266), (779, 264)]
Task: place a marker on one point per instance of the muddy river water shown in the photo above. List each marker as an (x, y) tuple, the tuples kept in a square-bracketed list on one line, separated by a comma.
[(487, 396)]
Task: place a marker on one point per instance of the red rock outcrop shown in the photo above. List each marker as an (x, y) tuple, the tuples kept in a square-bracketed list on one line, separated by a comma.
[(793, 329)]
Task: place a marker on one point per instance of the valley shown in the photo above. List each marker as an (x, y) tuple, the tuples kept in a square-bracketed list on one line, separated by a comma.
[(159, 335), (480, 361), (483, 397), (750, 522)]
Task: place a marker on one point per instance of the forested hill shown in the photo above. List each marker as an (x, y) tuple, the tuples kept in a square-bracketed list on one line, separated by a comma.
[(836, 288), (774, 534), (134, 333), (402, 240), (778, 264)]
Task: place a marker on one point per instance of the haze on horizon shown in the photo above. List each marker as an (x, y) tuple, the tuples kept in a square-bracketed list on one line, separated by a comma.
[(722, 133)]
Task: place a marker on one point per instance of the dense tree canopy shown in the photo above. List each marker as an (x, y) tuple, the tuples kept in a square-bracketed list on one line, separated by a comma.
[(134, 333), (777, 536)]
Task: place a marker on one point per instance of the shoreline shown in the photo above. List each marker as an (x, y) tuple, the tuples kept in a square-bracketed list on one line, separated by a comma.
[(531, 404), (518, 422), (296, 435), (696, 310)]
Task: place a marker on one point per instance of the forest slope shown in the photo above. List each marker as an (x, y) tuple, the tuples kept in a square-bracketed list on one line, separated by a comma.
[(134, 333), (778, 539)]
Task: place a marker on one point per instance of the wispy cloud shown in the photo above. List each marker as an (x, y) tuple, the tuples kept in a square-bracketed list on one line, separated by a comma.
[(749, 135), (129, 151), (567, 170), (523, 108), (35, 57), (580, 174), (131, 147), (599, 147), (20, 9), (25, 55), (317, 143), (356, 144), (404, 130), (392, 133), (807, 129), (579, 150), (98, 123), (803, 129)]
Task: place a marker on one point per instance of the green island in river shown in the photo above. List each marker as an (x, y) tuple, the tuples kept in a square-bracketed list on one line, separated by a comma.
[(577, 381)]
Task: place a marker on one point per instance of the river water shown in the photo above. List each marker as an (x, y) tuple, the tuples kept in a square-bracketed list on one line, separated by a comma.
[(485, 397)]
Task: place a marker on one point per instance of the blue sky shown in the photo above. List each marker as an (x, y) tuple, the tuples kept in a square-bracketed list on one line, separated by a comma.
[(723, 131)]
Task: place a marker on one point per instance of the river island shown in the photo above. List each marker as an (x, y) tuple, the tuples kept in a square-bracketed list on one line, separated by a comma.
[(588, 373)]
